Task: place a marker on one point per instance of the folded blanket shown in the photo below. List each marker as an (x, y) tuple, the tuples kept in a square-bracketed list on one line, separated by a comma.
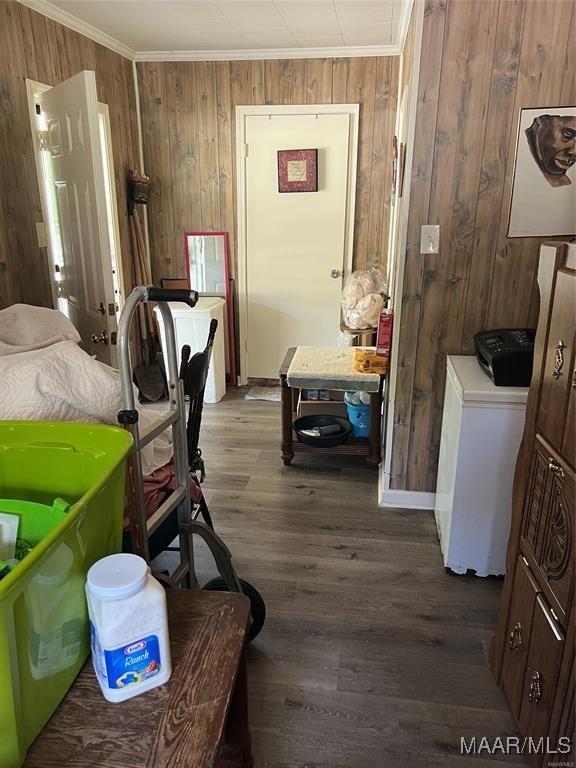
[(24, 327), (158, 485)]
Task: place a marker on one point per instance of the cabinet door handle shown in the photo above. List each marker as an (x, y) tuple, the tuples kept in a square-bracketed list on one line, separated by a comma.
[(515, 638), (535, 690), (558, 358), (555, 468)]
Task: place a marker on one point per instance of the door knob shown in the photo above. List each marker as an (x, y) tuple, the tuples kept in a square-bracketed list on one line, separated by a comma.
[(335, 273), (535, 689), (102, 338), (515, 638), (556, 469)]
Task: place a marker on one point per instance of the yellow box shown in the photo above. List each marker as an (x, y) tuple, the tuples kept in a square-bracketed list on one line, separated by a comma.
[(367, 361)]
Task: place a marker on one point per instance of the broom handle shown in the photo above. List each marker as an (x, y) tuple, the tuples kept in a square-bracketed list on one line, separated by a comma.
[(152, 326), (142, 273)]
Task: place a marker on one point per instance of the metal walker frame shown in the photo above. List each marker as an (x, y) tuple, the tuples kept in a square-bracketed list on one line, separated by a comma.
[(179, 500)]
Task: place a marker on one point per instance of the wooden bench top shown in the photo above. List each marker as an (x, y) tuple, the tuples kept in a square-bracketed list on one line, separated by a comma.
[(179, 724)]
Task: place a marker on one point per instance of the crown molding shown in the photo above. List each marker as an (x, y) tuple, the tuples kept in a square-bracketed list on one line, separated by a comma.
[(73, 22), (271, 53)]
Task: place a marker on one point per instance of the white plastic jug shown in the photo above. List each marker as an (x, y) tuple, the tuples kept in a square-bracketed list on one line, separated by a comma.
[(128, 627)]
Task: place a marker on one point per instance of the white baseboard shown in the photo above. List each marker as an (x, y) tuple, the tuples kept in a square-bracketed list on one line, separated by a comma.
[(407, 499)]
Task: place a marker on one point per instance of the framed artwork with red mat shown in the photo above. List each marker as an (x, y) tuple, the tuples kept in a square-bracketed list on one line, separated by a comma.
[(297, 170)]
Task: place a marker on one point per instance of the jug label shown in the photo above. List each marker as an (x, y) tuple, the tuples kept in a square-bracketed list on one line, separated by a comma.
[(129, 664)]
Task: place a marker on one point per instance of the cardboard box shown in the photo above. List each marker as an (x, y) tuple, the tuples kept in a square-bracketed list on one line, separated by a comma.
[(384, 336), (333, 407)]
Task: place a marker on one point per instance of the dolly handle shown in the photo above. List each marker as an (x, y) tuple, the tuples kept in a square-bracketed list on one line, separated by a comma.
[(172, 294)]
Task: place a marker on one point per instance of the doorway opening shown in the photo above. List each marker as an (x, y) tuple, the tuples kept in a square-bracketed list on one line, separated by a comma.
[(293, 248)]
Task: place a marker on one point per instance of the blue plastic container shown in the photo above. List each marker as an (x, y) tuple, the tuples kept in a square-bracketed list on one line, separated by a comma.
[(359, 417)]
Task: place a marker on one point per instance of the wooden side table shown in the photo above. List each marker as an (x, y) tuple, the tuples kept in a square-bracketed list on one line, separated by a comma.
[(199, 719), (370, 447)]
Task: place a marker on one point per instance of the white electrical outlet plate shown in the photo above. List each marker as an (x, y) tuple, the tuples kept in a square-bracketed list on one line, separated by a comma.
[(430, 238), (41, 234)]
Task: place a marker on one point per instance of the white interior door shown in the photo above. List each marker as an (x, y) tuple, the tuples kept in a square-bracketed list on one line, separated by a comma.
[(79, 235), (294, 240)]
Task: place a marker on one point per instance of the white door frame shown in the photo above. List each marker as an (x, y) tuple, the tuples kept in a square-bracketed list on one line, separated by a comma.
[(33, 90), (112, 208), (353, 110), (388, 497)]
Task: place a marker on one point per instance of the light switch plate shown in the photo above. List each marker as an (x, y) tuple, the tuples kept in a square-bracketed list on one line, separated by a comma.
[(430, 238), (41, 234)]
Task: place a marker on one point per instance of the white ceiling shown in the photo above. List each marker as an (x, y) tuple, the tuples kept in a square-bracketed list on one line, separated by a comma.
[(157, 26)]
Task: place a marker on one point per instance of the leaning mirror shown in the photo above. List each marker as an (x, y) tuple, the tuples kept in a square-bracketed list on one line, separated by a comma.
[(209, 274), (207, 257)]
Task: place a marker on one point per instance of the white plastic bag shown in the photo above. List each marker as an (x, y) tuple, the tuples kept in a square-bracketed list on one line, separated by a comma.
[(370, 307), (353, 319), (363, 298), (351, 294)]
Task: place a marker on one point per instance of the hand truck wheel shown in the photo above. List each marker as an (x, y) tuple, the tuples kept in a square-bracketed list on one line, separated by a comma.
[(257, 604)]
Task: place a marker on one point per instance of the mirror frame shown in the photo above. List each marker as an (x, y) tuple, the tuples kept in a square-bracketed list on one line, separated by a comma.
[(229, 295)]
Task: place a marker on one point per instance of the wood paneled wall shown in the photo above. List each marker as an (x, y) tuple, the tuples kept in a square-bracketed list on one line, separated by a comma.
[(35, 47), (188, 115), (481, 62)]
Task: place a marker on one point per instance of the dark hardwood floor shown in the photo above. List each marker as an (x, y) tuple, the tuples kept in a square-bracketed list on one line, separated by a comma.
[(372, 655)]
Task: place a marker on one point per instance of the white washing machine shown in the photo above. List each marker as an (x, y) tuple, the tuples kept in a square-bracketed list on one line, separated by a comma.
[(191, 327)]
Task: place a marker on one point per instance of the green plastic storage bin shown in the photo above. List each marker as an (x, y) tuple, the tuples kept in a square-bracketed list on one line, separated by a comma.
[(43, 616)]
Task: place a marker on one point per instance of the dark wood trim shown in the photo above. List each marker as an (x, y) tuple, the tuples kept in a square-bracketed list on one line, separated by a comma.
[(375, 436)]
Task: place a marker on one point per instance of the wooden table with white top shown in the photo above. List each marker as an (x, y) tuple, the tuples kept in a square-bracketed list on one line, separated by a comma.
[(339, 376)]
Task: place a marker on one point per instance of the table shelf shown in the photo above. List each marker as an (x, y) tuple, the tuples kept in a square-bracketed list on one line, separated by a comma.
[(367, 447), (355, 446)]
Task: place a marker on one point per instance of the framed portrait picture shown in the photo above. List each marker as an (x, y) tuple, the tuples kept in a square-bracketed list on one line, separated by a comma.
[(543, 199), (297, 170)]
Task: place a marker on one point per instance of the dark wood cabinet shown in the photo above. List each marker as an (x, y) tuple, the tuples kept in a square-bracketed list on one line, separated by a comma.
[(556, 374), (533, 650), (536, 502), (569, 437), (556, 559), (518, 635), (548, 524), (546, 645)]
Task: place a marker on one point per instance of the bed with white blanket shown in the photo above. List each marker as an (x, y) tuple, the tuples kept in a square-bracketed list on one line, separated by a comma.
[(45, 375)]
